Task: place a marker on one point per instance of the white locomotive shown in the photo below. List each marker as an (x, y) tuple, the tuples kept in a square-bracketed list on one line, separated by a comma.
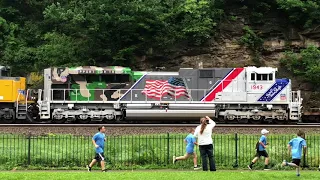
[(110, 94)]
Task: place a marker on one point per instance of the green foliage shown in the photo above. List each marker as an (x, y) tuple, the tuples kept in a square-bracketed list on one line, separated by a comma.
[(255, 9), (305, 64), (301, 12), (253, 42), (37, 34), (251, 39), (81, 32), (233, 18), (58, 49)]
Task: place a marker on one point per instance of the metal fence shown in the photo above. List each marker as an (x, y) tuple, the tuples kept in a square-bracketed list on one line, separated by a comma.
[(230, 151)]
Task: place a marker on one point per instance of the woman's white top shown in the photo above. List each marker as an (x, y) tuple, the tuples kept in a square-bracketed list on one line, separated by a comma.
[(205, 138)]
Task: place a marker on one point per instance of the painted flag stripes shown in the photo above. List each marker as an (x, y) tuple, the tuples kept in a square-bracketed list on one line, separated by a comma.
[(222, 84), (174, 87)]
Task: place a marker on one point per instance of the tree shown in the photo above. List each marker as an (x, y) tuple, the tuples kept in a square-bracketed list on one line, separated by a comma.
[(305, 64), (301, 12)]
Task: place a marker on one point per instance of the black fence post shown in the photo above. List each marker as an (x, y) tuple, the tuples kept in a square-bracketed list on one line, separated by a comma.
[(168, 148), (236, 150), (29, 148), (304, 162)]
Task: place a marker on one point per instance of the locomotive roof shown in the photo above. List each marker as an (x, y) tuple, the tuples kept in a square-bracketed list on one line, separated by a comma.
[(4, 67), (93, 69)]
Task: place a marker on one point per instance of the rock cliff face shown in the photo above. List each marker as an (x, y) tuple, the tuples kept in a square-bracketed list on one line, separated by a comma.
[(224, 49)]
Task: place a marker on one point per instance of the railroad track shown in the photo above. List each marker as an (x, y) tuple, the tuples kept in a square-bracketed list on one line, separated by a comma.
[(299, 125)]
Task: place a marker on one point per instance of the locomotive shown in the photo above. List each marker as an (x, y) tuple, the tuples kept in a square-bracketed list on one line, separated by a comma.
[(118, 94)]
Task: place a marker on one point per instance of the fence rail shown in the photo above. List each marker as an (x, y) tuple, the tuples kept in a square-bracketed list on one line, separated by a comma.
[(230, 151)]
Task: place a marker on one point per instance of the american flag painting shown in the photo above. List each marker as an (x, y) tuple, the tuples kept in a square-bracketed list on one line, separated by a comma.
[(174, 87)]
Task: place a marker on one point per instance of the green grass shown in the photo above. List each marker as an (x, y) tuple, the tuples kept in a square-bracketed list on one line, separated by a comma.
[(151, 175), (141, 152)]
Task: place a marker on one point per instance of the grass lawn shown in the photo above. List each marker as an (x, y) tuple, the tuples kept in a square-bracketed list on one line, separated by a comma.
[(150, 175)]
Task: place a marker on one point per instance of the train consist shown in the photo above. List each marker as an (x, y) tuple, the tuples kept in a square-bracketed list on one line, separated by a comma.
[(118, 94)]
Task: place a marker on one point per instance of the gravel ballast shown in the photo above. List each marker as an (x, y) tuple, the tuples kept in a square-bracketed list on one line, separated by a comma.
[(116, 131)]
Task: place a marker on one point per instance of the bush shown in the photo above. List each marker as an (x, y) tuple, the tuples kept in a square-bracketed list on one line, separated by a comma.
[(305, 64), (253, 42)]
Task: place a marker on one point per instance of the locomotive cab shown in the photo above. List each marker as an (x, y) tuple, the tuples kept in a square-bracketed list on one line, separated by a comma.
[(259, 79), (12, 96), (5, 71)]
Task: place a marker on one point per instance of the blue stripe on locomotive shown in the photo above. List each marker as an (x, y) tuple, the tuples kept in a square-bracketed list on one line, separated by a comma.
[(275, 89)]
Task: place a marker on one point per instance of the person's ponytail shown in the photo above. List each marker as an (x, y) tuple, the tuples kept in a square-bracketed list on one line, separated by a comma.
[(203, 124)]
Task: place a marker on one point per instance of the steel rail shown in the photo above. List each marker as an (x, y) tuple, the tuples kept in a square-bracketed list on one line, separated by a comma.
[(301, 125)]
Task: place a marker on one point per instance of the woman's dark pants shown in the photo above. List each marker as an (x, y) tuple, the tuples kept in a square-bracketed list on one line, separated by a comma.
[(207, 151)]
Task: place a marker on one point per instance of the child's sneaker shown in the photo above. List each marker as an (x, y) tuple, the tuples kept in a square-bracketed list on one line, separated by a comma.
[(249, 167), (89, 168), (284, 163), (196, 168), (266, 168), (174, 159), (298, 174)]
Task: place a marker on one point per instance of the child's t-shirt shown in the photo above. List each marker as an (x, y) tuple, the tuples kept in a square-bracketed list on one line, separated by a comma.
[(190, 139)]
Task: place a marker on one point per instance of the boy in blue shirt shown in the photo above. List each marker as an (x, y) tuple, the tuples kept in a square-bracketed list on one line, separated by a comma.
[(295, 147), (98, 141), (261, 150), (190, 140)]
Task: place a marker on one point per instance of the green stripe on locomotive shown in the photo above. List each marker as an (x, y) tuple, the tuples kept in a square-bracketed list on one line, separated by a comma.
[(137, 75), (93, 88)]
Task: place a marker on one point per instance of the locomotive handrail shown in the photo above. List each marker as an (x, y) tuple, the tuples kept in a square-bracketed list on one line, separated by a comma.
[(130, 96), (17, 103), (26, 99), (87, 99)]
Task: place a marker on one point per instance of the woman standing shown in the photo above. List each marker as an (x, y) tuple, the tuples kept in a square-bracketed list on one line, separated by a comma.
[(204, 134)]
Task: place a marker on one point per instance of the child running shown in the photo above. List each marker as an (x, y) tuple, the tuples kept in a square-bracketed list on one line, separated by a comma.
[(295, 146), (261, 150), (190, 140)]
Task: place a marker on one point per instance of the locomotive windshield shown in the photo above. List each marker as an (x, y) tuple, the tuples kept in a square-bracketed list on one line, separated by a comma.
[(115, 78), (261, 77), (5, 72), (108, 78)]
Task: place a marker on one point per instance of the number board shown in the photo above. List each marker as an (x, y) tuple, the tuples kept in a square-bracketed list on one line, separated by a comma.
[(257, 87)]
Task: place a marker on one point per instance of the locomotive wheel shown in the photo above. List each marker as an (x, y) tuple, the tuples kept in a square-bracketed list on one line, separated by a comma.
[(33, 118), (84, 121), (232, 121), (33, 114), (109, 121), (311, 119), (252, 121), (243, 121), (59, 121), (268, 120), (220, 119), (7, 121), (277, 121)]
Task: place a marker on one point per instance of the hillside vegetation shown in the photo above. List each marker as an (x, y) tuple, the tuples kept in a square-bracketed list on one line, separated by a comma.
[(35, 34)]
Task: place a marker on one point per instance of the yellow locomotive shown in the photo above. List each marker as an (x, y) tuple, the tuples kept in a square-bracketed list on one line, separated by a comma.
[(13, 101)]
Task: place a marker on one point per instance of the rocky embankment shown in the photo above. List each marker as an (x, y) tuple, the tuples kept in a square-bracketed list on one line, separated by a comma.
[(224, 50)]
